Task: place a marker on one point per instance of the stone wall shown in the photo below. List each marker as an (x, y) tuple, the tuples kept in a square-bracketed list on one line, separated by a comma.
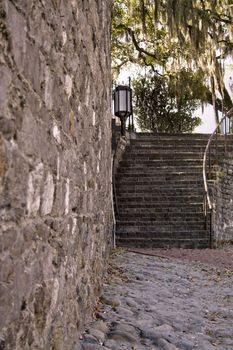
[(223, 203), (55, 158)]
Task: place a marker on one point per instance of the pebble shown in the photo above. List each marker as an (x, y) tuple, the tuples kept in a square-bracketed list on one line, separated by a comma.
[(121, 336), (162, 304), (100, 336), (106, 299), (88, 346), (165, 345)]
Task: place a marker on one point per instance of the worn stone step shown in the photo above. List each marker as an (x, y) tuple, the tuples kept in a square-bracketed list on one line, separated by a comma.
[(161, 169), (166, 221), (145, 157), (178, 144), (163, 136), (163, 186), (171, 139), (178, 135), (130, 186), (177, 148), (162, 232), (163, 243), (157, 163), (137, 208), (137, 149), (160, 178), (151, 148), (159, 192), (172, 216), (169, 156), (168, 141), (149, 198), (144, 230), (175, 201), (153, 158), (169, 192), (167, 173), (151, 209), (166, 224), (183, 136), (173, 189), (160, 182), (154, 185)]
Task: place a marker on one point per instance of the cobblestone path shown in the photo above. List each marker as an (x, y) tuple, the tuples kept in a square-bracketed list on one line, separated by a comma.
[(162, 303)]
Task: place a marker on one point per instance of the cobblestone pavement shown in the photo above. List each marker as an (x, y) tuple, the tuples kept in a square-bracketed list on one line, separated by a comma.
[(151, 302)]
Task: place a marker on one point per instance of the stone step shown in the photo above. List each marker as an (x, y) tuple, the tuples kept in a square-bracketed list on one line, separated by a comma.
[(139, 208), (137, 191), (159, 187), (163, 201), (162, 180), (163, 243), (153, 148), (132, 186), (160, 220), (178, 144), (153, 208), (154, 217), (163, 141), (170, 172), (160, 176), (174, 149), (148, 196), (141, 228), (159, 228), (165, 134), (196, 137), (147, 156), (155, 163), (172, 140), (165, 225), (162, 232), (131, 182), (166, 169)]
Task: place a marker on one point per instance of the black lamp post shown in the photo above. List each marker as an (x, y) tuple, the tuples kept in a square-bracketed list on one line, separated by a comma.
[(123, 104)]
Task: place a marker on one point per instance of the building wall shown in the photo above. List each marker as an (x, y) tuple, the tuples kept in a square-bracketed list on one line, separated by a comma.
[(55, 157), (223, 203)]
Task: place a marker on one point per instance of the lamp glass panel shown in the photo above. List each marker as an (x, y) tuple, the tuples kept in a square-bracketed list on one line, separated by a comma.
[(129, 101), (123, 100), (116, 102)]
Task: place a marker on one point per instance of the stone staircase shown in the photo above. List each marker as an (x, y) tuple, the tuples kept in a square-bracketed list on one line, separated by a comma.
[(159, 192)]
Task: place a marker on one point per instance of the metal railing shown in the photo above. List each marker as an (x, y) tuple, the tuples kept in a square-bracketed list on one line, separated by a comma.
[(211, 163)]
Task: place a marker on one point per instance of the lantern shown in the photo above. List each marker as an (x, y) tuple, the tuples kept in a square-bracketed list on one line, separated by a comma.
[(123, 104)]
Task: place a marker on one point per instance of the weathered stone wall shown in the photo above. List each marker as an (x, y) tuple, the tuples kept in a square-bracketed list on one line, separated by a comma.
[(223, 203), (55, 157)]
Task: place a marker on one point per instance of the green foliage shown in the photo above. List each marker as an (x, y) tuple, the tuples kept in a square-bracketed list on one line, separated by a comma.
[(136, 39), (166, 104), (191, 30)]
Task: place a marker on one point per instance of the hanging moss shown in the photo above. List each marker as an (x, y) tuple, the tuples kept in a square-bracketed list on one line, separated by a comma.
[(174, 34)]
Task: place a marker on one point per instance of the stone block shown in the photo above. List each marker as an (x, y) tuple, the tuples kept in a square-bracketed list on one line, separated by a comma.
[(5, 78), (222, 197)]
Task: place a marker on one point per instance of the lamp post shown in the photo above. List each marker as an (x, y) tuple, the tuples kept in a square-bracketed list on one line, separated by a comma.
[(123, 104)]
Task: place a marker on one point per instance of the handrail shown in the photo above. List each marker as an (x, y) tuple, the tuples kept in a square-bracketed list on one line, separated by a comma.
[(207, 199), (227, 115)]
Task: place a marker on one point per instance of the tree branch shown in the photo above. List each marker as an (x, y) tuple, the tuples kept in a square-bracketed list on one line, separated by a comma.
[(138, 47)]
